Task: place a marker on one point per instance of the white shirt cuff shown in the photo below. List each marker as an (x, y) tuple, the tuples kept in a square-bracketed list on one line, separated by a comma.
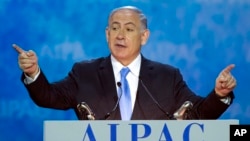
[(28, 80), (226, 100)]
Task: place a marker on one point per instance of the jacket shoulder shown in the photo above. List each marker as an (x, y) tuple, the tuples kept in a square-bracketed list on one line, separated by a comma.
[(159, 66), (91, 64)]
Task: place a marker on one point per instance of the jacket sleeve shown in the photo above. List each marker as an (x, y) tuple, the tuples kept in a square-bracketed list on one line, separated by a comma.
[(58, 95)]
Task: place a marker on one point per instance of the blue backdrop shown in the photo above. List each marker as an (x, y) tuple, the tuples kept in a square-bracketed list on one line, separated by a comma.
[(200, 37)]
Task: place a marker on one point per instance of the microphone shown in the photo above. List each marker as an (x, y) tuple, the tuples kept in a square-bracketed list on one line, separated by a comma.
[(85, 111), (182, 112), (116, 105), (155, 101), (151, 96)]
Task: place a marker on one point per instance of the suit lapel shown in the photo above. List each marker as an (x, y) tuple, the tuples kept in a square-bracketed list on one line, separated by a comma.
[(106, 76), (144, 105)]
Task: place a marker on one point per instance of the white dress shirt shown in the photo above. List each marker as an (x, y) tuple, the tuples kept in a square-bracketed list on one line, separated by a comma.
[(132, 77)]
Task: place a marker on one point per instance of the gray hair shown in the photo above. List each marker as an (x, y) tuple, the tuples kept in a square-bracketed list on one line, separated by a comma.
[(143, 18)]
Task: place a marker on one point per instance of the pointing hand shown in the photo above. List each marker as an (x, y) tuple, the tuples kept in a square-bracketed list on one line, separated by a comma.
[(225, 82), (27, 61)]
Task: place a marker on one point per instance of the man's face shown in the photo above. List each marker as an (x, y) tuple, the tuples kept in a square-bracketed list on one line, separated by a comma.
[(125, 35)]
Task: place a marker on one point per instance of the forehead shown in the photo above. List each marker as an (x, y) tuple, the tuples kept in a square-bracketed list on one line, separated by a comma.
[(125, 15)]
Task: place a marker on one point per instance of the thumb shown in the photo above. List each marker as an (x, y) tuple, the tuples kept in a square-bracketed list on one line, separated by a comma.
[(30, 53)]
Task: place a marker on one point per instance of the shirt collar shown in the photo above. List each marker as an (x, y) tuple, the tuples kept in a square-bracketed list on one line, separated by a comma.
[(134, 66)]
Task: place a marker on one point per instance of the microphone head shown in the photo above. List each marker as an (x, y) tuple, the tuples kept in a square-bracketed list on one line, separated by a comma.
[(119, 84)]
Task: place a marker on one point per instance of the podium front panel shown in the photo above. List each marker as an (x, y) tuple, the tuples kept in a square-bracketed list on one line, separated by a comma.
[(138, 130)]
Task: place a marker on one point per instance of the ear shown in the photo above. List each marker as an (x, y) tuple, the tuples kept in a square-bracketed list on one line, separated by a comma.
[(107, 34), (144, 36)]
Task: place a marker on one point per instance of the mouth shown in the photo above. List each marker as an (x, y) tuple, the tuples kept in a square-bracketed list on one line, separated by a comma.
[(120, 45)]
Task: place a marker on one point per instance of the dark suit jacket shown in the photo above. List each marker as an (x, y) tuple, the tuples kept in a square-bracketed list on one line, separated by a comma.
[(93, 82)]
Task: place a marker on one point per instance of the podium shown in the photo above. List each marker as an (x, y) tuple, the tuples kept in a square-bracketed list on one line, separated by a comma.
[(138, 130)]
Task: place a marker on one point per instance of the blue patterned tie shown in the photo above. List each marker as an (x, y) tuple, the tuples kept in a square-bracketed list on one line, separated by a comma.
[(125, 101)]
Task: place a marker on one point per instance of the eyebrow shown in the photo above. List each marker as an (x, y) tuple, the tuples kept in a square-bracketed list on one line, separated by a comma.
[(128, 23)]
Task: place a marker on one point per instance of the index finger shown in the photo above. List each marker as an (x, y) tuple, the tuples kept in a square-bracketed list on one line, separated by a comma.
[(229, 68), (18, 49)]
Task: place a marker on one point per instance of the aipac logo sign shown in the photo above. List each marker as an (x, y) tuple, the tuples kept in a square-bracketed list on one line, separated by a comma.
[(141, 130)]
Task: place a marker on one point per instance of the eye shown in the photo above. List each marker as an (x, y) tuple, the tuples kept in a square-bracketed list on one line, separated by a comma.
[(114, 27), (130, 29)]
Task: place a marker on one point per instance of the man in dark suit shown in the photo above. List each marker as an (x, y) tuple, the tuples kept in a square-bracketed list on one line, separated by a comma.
[(156, 91)]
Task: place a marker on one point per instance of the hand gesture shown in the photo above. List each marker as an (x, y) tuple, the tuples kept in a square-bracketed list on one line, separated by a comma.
[(225, 82), (27, 61)]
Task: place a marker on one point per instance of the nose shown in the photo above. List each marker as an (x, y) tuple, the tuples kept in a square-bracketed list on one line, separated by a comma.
[(120, 35)]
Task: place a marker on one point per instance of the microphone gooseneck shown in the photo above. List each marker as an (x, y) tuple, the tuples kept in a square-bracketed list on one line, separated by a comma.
[(155, 101), (119, 84), (151, 96)]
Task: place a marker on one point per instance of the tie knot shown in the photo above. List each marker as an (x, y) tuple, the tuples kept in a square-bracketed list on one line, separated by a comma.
[(124, 71)]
